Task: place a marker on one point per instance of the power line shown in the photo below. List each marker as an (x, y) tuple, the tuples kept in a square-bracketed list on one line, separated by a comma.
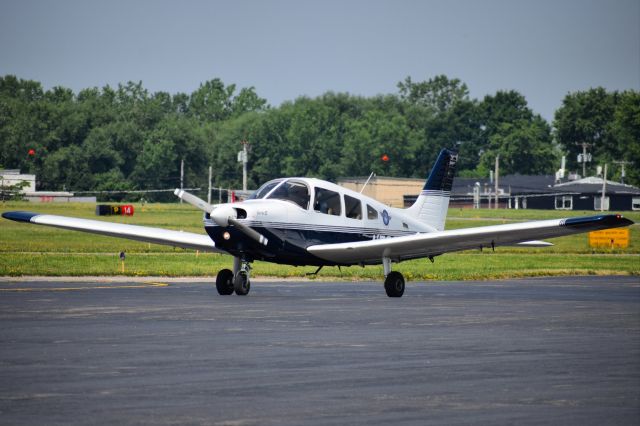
[(139, 191)]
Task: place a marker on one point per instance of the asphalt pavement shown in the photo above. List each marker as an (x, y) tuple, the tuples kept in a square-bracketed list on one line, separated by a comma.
[(529, 351)]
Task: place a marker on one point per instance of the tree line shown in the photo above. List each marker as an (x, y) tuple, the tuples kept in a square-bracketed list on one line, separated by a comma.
[(125, 138)]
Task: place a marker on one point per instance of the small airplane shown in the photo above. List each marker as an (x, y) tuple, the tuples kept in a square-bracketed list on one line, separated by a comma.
[(306, 221)]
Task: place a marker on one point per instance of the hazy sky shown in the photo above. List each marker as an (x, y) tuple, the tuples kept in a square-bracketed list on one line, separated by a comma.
[(288, 48)]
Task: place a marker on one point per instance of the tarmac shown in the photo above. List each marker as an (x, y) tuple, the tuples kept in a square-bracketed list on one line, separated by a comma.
[(155, 351)]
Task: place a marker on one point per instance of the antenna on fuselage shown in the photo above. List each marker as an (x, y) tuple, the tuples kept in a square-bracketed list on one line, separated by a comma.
[(365, 184)]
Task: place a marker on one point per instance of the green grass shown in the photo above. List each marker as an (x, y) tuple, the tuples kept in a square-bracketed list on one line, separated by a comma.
[(459, 266), (38, 250)]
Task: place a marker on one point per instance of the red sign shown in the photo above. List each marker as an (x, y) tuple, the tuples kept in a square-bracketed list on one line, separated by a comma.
[(126, 210)]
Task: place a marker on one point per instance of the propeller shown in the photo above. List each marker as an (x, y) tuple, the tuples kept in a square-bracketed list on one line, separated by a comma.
[(194, 201), (249, 232), (223, 215)]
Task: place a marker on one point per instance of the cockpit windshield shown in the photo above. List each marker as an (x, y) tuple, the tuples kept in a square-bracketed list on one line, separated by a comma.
[(294, 191), (265, 189)]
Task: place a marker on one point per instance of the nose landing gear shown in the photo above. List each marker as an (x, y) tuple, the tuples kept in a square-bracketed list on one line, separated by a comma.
[(228, 282), (241, 282)]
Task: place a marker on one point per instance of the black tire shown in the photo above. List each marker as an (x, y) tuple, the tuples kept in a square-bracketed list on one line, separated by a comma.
[(224, 282), (241, 283), (394, 284)]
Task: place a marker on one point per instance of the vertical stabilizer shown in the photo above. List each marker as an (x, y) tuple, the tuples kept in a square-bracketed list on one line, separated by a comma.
[(433, 202)]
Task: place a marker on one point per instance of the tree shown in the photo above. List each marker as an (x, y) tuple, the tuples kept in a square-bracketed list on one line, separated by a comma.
[(247, 101), (125, 137), (586, 117), (67, 168), (509, 128), (525, 147), (438, 94), (12, 192), (625, 132), (158, 164), (379, 134)]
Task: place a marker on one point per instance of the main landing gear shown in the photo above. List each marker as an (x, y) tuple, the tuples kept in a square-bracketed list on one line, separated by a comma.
[(228, 282), (238, 281), (393, 281)]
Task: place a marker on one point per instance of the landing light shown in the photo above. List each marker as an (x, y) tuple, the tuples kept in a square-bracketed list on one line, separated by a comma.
[(226, 235)]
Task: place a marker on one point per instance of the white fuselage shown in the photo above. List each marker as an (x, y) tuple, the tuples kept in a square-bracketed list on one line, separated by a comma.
[(305, 211)]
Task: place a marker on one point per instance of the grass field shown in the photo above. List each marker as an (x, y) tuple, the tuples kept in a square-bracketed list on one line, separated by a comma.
[(38, 250)]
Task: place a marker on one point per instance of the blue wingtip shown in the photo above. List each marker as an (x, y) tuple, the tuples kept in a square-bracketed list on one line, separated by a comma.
[(20, 216), (603, 221)]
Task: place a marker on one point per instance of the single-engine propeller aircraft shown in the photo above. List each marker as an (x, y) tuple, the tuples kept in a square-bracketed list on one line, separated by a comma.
[(302, 221)]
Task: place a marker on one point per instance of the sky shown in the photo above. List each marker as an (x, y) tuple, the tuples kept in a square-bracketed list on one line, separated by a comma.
[(285, 49)]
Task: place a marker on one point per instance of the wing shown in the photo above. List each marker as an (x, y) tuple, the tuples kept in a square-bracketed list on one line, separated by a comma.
[(133, 232), (436, 243)]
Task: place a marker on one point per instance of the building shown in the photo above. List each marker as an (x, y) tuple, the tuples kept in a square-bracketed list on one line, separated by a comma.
[(542, 192), (13, 177), (387, 190), (9, 178), (514, 191), (586, 194)]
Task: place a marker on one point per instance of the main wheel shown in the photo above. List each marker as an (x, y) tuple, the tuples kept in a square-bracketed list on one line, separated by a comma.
[(394, 284), (224, 282), (241, 283)]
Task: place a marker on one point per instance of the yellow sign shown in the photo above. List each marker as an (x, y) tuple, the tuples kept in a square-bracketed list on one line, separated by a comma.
[(616, 237)]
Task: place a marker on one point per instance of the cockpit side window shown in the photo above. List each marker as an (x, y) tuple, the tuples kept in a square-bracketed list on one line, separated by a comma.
[(293, 191), (265, 189), (353, 207), (327, 202), (372, 214)]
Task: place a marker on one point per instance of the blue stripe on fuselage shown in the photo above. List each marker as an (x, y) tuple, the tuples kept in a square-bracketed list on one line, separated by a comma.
[(288, 245)]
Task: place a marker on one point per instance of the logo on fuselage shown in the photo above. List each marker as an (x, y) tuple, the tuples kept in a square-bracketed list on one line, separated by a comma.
[(385, 217)]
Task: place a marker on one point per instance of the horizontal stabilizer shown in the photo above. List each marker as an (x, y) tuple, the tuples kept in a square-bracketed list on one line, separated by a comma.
[(534, 244)]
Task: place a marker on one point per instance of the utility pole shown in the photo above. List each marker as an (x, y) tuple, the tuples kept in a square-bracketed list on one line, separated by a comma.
[(496, 178), (622, 174), (604, 188), (243, 157), (476, 195), (584, 157), (181, 176), (209, 192)]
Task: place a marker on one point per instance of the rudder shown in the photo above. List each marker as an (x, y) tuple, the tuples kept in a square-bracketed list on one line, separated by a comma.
[(433, 202)]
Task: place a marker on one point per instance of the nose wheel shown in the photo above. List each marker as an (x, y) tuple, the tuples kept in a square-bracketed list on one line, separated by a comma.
[(224, 282), (241, 283), (228, 282)]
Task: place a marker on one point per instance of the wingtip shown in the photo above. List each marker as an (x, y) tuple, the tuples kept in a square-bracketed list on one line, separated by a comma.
[(19, 216), (604, 221), (624, 221)]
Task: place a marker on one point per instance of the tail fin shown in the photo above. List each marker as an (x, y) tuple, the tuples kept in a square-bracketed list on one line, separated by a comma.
[(433, 202)]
